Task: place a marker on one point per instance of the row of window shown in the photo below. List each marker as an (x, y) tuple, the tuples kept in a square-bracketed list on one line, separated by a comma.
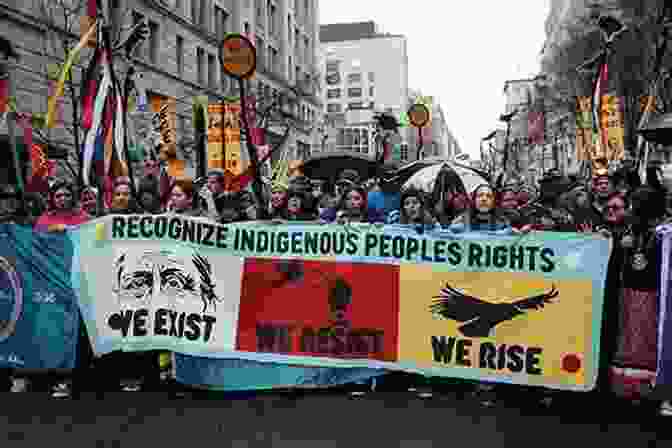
[(353, 92), (335, 108)]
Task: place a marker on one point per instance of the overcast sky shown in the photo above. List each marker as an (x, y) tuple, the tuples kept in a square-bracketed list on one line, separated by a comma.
[(459, 51)]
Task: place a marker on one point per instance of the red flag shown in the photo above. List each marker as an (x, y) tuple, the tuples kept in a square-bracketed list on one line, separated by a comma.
[(92, 8), (257, 136), (536, 125), (4, 94)]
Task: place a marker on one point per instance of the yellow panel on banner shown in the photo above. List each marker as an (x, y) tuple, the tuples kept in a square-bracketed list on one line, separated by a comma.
[(165, 109), (498, 333)]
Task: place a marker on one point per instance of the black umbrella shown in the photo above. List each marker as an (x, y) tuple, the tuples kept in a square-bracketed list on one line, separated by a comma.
[(658, 130), (327, 166), (393, 180)]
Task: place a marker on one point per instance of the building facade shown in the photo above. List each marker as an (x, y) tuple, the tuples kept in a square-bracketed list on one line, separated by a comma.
[(363, 72), (180, 59)]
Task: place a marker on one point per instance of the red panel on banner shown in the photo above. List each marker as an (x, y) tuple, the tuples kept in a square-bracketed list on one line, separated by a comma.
[(319, 308)]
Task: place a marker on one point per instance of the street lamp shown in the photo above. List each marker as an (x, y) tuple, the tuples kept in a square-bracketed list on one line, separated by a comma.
[(506, 118)]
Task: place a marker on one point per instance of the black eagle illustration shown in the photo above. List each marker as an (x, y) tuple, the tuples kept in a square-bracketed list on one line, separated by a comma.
[(482, 317)]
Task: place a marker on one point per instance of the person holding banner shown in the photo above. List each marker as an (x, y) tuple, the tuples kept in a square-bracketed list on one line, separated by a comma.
[(483, 214), (414, 211), (181, 198), (63, 210)]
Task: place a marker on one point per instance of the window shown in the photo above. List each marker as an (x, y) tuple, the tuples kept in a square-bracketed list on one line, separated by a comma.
[(247, 28), (261, 57), (403, 151), (372, 77), (212, 71), (178, 6), (354, 78), (297, 74), (194, 10), (205, 15), (260, 13), (306, 7), (333, 108), (306, 50), (355, 92), (154, 42), (179, 54), (221, 22), (289, 28), (333, 93), (371, 91), (274, 65), (333, 66), (290, 69), (200, 63), (355, 106), (271, 18)]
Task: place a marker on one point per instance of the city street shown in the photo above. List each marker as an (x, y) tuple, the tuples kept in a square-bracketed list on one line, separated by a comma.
[(316, 419)]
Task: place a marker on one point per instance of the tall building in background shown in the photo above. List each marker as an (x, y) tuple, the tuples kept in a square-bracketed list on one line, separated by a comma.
[(364, 71), (180, 59)]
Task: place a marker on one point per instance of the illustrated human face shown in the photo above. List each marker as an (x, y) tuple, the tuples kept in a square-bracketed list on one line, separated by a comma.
[(615, 211), (485, 200), (278, 198), (294, 205), (354, 201), (215, 184), (412, 207), (121, 196), (179, 199), (509, 200), (63, 199)]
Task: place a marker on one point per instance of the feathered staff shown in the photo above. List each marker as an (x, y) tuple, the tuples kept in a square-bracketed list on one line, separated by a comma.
[(207, 284)]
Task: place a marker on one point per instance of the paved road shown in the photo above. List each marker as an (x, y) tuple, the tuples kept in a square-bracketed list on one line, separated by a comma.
[(316, 420)]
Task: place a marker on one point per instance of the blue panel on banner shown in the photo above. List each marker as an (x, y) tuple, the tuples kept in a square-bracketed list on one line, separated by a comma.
[(38, 306), (240, 374)]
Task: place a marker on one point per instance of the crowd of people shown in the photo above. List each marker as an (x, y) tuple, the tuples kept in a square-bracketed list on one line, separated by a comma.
[(613, 205)]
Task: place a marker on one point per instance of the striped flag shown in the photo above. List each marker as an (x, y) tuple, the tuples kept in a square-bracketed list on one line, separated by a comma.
[(599, 91)]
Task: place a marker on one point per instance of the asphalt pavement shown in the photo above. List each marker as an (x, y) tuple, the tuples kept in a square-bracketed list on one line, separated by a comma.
[(318, 419)]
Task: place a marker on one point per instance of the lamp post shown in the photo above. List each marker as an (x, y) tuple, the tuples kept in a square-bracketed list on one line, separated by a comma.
[(506, 118), (487, 138)]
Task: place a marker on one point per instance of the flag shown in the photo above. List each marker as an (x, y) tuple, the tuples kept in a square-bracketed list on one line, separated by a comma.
[(74, 53), (40, 169), (52, 72), (536, 127), (88, 89), (94, 140), (584, 129), (599, 91), (612, 127), (4, 93)]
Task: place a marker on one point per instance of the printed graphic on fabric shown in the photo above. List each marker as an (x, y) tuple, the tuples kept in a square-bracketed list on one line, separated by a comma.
[(480, 317), (319, 308), (161, 275), (11, 299)]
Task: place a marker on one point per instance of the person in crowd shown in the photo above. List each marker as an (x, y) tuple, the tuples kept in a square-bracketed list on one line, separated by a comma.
[(352, 208), (546, 213), (318, 189), (248, 207), (483, 214), (228, 208), (182, 198), (383, 198), (63, 211), (122, 203), (413, 211), (616, 215), (508, 202), (88, 199), (593, 215), (447, 189), (635, 359), (149, 196), (299, 206), (327, 202), (346, 179), (301, 184), (278, 204)]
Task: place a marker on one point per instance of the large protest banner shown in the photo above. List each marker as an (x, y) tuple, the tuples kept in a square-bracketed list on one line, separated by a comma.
[(38, 307), (518, 309)]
